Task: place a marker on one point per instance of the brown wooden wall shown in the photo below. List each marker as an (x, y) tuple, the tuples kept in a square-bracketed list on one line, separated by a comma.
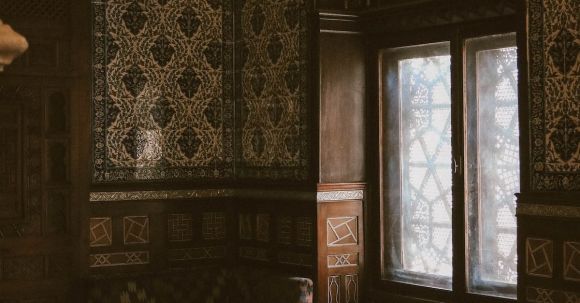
[(37, 179)]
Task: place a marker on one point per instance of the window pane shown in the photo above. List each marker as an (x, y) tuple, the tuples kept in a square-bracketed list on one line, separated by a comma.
[(493, 163), (417, 186)]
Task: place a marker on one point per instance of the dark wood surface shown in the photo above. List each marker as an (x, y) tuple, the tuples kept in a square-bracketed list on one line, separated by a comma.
[(342, 108)]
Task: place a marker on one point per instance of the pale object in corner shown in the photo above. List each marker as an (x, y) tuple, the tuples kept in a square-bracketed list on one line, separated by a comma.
[(12, 45)]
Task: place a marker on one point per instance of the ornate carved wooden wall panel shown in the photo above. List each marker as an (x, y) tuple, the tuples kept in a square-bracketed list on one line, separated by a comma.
[(340, 243), (278, 232), (35, 170)]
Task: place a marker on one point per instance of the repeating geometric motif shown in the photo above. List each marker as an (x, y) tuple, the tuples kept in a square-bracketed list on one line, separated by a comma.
[(119, 259), (273, 62), (201, 253), (554, 45), (539, 257), (263, 227), (304, 231), (101, 232), (285, 230), (136, 229), (342, 231), (214, 225), (180, 227), (343, 260), (163, 89), (572, 261), (540, 295)]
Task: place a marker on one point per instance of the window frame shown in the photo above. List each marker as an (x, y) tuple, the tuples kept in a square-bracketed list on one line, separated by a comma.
[(456, 35)]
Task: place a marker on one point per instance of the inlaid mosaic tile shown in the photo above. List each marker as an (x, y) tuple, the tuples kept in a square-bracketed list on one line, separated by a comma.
[(554, 86), (163, 89)]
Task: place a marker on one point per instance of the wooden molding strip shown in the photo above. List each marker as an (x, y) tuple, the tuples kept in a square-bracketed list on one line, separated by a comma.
[(543, 210), (268, 194), (159, 195), (329, 196)]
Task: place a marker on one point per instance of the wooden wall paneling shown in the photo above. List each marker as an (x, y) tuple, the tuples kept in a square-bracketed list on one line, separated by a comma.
[(35, 197), (342, 106), (279, 234), (340, 243)]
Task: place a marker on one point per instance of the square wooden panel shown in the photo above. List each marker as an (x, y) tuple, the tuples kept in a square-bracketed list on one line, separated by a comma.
[(246, 226), (539, 257), (304, 231), (572, 261), (100, 232), (179, 227), (214, 225), (342, 231), (136, 229), (263, 227), (285, 230)]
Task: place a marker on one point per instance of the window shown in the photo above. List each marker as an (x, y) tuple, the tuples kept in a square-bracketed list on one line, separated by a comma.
[(434, 168)]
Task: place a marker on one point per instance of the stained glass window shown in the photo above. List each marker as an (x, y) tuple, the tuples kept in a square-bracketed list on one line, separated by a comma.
[(493, 156)]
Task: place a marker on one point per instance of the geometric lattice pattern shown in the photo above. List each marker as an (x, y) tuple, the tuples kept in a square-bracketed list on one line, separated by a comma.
[(344, 260), (273, 103), (304, 231), (101, 232), (214, 225), (572, 261), (498, 162), (180, 227), (163, 90), (119, 259), (425, 150), (342, 231), (136, 229), (554, 83), (539, 257), (285, 230), (539, 295)]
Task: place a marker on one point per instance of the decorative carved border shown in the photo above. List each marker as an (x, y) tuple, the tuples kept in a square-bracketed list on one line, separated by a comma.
[(339, 195), (542, 210), (200, 253), (159, 195), (119, 259), (200, 194)]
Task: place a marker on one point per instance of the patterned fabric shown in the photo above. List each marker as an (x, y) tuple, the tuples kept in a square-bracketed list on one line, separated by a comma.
[(212, 285), (262, 286)]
